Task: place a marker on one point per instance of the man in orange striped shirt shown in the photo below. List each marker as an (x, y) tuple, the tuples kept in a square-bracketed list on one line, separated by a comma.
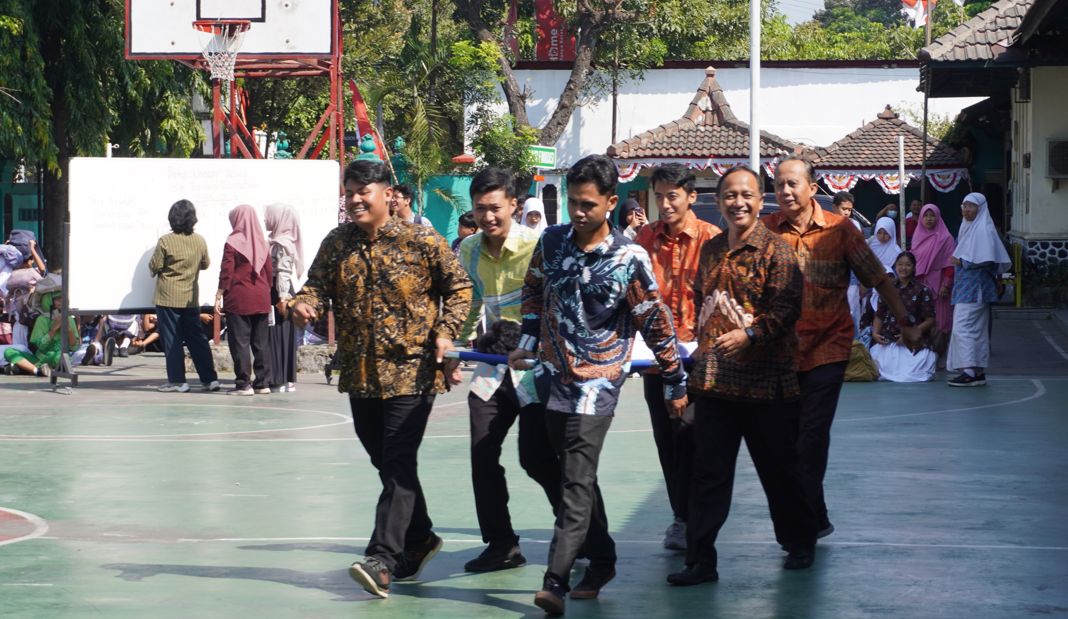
[(828, 247), (674, 245)]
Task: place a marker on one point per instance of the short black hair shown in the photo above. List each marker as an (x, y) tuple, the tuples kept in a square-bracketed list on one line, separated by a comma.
[(183, 216), (674, 174), (735, 170), (843, 196), (596, 169), (404, 190), (467, 220), (365, 173), (810, 170), (490, 180), (908, 254)]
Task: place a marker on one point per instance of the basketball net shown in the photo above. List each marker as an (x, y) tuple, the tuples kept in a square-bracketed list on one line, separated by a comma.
[(220, 52)]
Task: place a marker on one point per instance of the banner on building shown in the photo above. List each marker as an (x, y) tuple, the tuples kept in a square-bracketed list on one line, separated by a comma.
[(555, 42)]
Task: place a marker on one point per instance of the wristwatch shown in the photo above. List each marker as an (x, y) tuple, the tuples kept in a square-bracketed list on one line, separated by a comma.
[(749, 332), (910, 321)]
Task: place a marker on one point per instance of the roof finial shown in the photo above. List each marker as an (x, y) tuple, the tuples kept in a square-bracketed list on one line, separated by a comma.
[(888, 113), (710, 72)]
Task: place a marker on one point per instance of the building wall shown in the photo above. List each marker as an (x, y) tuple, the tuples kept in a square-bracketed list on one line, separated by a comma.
[(811, 106), (1040, 212)]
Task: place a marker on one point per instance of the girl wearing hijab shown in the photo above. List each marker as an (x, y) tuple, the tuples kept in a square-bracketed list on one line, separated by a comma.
[(534, 215), (245, 279), (897, 363), (287, 261), (980, 257), (884, 244), (933, 246)]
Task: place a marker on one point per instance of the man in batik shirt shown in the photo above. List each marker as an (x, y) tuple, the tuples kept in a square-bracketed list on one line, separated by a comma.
[(587, 290), (674, 244), (496, 259), (387, 279)]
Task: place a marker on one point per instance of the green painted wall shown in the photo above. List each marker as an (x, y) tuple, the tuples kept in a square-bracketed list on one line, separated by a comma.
[(439, 211)]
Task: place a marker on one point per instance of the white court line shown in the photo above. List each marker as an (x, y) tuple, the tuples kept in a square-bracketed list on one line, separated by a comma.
[(632, 541), (1040, 390), (40, 526), (151, 436), (1049, 339), (24, 584)]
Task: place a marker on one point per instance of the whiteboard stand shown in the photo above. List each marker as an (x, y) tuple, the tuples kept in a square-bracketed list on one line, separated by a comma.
[(65, 369)]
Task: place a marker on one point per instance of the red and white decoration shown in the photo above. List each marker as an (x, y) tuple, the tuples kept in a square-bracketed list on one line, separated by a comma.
[(917, 10), (844, 180), (628, 169)]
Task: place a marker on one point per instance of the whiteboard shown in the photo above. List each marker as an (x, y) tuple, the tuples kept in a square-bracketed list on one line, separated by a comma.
[(119, 206)]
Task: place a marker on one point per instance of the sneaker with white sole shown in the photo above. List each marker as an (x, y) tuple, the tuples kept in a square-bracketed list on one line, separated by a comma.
[(212, 386), (676, 536), (964, 380), (246, 390), (291, 387), (44, 370), (262, 390), (179, 387)]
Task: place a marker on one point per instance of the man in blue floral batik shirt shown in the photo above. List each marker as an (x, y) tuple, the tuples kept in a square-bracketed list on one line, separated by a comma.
[(586, 292)]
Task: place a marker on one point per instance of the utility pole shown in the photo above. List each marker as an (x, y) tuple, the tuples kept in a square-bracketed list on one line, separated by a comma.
[(615, 89), (754, 85)]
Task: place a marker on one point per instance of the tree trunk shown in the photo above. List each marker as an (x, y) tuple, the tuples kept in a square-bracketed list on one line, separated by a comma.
[(569, 98), (56, 211)]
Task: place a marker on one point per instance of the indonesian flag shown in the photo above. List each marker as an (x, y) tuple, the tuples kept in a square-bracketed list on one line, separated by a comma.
[(917, 10)]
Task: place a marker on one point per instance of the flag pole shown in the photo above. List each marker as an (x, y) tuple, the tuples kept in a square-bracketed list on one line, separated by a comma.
[(754, 84)]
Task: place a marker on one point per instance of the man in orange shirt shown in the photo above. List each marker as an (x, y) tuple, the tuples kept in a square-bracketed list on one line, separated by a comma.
[(828, 247), (674, 245)]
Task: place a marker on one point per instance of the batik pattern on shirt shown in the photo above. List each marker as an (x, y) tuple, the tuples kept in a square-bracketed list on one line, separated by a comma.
[(580, 313), (674, 263), (763, 276), (826, 252), (497, 294), (387, 293), (918, 300), (975, 283)]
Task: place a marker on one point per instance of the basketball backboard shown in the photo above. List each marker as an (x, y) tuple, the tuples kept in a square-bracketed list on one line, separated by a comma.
[(280, 28)]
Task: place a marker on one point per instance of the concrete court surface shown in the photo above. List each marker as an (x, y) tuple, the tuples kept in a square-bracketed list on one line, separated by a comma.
[(947, 502)]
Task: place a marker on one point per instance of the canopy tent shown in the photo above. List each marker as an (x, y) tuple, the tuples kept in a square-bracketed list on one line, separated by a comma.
[(707, 137), (871, 153)]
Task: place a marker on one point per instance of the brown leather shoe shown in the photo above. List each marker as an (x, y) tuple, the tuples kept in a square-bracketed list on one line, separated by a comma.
[(551, 599)]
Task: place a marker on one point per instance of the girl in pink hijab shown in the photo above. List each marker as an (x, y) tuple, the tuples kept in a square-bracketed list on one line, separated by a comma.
[(933, 246), (245, 279)]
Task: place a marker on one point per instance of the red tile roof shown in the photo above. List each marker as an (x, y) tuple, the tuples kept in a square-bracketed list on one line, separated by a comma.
[(708, 129), (875, 146)]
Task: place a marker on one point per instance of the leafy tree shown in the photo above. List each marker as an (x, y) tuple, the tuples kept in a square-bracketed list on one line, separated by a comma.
[(72, 91)]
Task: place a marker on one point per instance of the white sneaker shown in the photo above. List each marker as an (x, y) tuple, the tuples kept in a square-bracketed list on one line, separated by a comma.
[(291, 387), (246, 390), (262, 390), (180, 388), (212, 386)]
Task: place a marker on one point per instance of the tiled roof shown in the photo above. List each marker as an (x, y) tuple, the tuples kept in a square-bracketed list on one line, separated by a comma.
[(708, 129), (875, 146), (983, 37)]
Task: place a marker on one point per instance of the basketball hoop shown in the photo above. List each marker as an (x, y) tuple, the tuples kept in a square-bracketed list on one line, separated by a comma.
[(220, 52)]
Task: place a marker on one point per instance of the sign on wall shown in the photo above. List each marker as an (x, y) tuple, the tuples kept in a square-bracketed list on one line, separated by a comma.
[(544, 156), (555, 42)]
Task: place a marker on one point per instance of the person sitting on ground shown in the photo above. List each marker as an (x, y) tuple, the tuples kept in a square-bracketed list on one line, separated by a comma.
[(245, 279), (176, 264), (465, 227), (16, 306), (149, 336), (534, 215), (980, 259), (631, 218), (896, 363), (45, 338), (401, 206)]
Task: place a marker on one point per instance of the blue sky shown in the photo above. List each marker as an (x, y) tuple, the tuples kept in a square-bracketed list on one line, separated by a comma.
[(798, 11)]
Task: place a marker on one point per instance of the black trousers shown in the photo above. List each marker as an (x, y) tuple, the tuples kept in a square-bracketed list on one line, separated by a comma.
[(391, 430), (674, 444), (820, 388), (577, 440), (770, 435), (242, 333), (490, 422)]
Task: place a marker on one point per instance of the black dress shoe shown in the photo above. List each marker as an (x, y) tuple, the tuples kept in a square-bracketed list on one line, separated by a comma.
[(694, 575), (497, 556), (801, 557)]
